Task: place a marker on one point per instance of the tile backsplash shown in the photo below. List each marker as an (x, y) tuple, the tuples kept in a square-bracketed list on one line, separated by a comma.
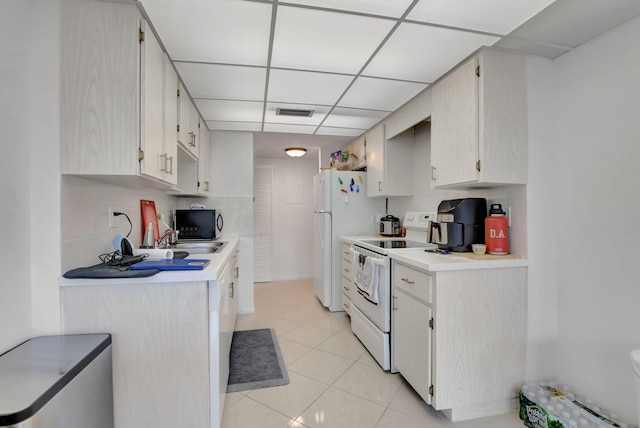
[(85, 216)]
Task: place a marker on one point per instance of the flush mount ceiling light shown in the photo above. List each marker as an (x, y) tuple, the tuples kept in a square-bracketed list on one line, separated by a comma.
[(295, 152)]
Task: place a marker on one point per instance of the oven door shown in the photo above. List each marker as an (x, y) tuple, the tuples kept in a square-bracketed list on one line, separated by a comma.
[(378, 313)]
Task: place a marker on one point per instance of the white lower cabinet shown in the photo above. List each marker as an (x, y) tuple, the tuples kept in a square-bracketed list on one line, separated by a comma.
[(458, 337), (347, 278), (412, 341), (171, 345)]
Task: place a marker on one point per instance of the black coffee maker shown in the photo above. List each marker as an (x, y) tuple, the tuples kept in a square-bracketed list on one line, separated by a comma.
[(460, 224)]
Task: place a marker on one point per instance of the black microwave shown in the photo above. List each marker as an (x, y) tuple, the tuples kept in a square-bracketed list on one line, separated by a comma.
[(198, 224)]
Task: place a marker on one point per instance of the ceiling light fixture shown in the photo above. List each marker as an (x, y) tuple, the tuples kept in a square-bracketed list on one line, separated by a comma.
[(295, 152)]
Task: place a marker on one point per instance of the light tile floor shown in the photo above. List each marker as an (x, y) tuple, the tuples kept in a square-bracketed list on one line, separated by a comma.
[(334, 382)]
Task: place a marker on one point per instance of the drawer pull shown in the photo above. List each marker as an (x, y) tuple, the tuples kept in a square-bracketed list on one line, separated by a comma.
[(345, 305), (408, 281), (347, 288), (346, 270)]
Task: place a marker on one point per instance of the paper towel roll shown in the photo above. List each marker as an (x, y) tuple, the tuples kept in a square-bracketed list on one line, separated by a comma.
[(154, 253)]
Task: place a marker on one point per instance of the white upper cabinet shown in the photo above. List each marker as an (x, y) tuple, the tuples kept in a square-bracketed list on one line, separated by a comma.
[(204, 180), (158, 110), (389, 164), (113, 104), (189, 121), (479, 122)]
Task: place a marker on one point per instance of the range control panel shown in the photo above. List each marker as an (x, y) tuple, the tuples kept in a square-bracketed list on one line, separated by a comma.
[(418, 220)]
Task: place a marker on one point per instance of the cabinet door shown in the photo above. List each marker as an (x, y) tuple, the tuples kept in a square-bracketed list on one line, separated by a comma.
[(195, 129), (152, 106), (375, 161), (358, 148), (170, 122), (454, 127), (184, 119), (412, 342), (204, 180), (99, 95)]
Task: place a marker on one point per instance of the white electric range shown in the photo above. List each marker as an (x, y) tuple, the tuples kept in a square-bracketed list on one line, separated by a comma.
[(371, 304)]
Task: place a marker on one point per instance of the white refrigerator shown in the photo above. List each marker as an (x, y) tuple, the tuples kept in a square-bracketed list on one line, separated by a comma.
[(341, 207)]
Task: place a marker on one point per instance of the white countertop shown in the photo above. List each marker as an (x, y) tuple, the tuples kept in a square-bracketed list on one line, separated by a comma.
[(442, 262), (456, 261), (209, 273)]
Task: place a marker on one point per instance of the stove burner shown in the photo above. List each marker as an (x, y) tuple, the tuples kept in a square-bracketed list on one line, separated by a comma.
[(394, 244)]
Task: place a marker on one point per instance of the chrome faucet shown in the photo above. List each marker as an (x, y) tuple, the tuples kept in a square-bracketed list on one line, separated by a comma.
[(169, 239)]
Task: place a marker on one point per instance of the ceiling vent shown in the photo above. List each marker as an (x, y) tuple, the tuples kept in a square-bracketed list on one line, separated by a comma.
[(294, 112)]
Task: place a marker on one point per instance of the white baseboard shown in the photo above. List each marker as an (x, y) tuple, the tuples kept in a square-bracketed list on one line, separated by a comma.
[(481, 410)]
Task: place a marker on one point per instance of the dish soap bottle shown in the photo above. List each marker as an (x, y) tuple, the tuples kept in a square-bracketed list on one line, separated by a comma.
[(496, 231)]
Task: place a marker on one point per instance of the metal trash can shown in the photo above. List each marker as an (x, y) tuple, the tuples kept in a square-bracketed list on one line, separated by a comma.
[(57, 382)]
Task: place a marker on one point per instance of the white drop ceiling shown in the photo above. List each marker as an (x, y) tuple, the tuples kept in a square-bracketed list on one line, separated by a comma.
[(351, 61)]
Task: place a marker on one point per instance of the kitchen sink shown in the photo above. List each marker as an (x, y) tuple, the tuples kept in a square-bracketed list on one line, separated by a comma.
[(200, 247)]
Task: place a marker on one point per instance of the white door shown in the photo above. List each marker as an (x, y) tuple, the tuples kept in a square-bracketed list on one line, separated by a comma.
[(263, 223)]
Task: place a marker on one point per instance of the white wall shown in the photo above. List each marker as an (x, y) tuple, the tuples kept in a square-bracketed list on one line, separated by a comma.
[(292, 217), (231, 168), (597, 148), (85, 206), (16, 25)]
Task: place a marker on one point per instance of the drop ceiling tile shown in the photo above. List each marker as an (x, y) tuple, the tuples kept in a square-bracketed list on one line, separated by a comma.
[(319, 113), (423, 53), (349, 132), (492, 16), (223, 81), (354, 118), (393, 8), (283, 127), (305, 87), (232, 32), (380, 94), (326, 41), (232, 111), (215, 125)]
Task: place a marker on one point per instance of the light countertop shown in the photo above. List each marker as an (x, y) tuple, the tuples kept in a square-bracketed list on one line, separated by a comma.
[(456, 261), (209, 273), (429, 261)]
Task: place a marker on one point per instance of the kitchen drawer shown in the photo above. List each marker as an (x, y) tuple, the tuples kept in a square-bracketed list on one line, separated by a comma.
[(413, 282), (347, 287), (347, 272), (346, 303), (347, 256)]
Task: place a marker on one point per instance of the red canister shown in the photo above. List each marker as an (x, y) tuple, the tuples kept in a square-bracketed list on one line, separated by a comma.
[(496, 231)]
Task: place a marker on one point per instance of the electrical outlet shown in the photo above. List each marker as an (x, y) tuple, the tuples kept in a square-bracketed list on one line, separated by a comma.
[(113, 220)]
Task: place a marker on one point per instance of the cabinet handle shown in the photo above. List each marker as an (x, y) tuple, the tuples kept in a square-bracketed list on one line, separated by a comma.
[(345, 305), (237, 274), (206, 186), (347, 288), (163, 157), (170, 165), (380, 186), (346, 270), (408, 281), (231, 291), (394, 306), (433, 173)]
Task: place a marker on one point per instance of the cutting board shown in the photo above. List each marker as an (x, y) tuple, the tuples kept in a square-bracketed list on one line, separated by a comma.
[(487, 256), (171, 264), (149, 215)]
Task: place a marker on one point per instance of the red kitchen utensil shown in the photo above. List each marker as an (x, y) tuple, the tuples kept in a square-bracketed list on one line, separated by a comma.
[(149, 215)]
